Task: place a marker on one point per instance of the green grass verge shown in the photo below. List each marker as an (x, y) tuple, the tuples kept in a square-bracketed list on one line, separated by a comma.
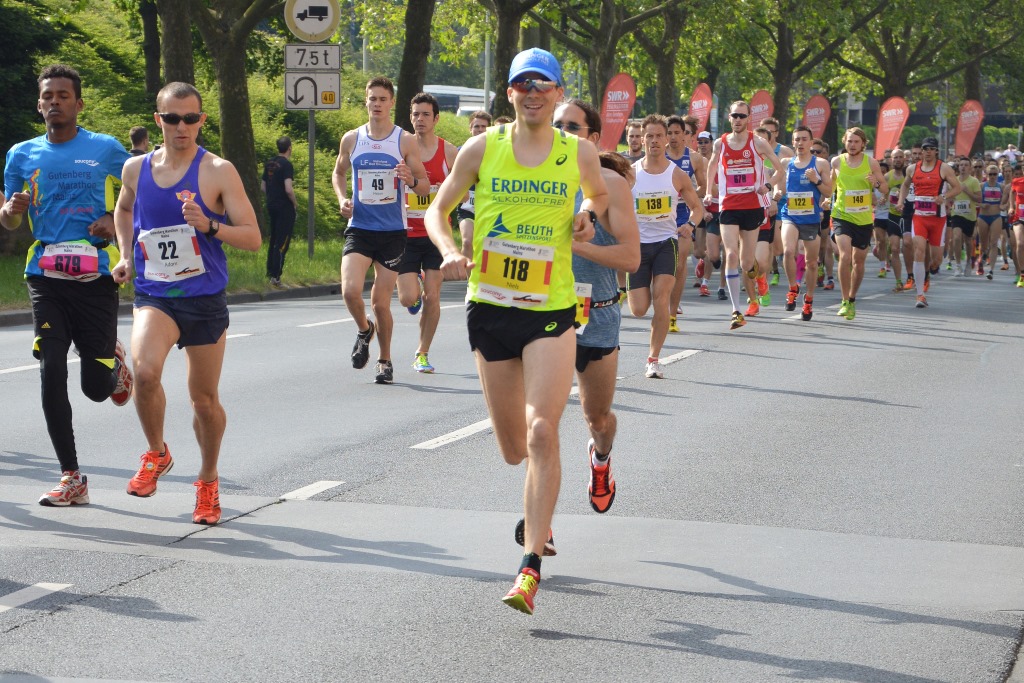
[(247, 271)]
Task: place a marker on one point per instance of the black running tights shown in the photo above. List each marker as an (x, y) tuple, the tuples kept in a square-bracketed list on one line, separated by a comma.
[(97, 383)]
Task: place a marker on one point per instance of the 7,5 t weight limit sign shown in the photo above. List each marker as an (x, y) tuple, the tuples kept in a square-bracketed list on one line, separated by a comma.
[(312, 56)]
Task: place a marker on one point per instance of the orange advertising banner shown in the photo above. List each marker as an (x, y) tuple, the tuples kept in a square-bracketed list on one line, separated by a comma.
[(619, 98), (700, 107), (816, 114), (891, 118), (967, 126), (761, 107)]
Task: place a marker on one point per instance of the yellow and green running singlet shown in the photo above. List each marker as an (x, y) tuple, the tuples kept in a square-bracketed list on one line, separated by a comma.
[(522, 244)]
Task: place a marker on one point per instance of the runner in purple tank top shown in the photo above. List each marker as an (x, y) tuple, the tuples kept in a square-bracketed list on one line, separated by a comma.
[(170, 222)]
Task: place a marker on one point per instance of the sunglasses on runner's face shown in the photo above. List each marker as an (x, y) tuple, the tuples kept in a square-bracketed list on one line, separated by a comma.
[(175, 119), (737, 115), (570, 127), (992, 174), (929, 148), (528, 84), (817, 151)]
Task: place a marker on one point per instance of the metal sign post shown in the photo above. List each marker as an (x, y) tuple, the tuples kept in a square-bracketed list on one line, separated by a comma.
[(312, 78)]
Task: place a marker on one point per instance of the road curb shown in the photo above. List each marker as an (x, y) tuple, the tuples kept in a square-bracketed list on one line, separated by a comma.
[(24, 317)]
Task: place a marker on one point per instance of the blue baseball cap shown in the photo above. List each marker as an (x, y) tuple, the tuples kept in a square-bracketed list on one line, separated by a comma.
[(535, 60)]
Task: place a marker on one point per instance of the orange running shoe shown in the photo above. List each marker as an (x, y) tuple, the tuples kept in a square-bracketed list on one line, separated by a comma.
[(808, 309), (753, 309), (152, 467), (927, 283), (521, 595), (73, 489), (910, 284), (762, 285), (791, 298), (704, 291), (602, 485), (207, 502)]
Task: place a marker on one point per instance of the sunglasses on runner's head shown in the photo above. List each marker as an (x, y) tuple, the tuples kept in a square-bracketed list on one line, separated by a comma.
[(570, 127), (528, 84), (737, 115), (175, 119)]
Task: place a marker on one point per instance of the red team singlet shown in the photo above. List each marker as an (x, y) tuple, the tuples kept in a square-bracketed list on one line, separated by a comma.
[(740, 173)]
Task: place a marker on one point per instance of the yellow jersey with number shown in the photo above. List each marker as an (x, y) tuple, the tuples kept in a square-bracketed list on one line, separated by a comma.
[(522, 240)]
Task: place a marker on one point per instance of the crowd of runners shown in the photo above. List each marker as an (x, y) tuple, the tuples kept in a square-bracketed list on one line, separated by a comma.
[(556, 240)]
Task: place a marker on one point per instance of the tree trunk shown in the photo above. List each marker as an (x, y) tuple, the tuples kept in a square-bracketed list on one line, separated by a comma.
[(236, 136), (665, 67), (506, 45), (176, 43), (782, 75), (413, 72), (150, 44)]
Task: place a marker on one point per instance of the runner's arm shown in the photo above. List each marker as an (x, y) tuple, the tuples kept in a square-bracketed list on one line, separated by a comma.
[(243, 232), (685, 187), (716, 153), (595, 193), (465, 173), (411, 170), (124, 212), (341, 169), (954, 182), (700, 173), (905, 187), (881, 184), (620, 221)]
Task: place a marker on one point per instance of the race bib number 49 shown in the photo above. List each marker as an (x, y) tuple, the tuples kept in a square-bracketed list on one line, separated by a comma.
[(378, 186), (515, 274)]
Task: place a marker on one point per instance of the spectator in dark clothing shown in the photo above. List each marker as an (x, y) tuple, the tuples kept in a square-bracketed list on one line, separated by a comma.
[(277, 184)]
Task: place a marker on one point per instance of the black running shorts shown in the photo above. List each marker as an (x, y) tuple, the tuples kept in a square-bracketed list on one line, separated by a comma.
[(383, 246), (502, 332)]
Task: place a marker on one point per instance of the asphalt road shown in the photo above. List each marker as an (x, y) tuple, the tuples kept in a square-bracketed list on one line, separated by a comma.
[(828, 500)]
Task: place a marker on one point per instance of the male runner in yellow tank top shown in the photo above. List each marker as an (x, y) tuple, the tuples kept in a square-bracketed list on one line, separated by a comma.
[(521, 298)]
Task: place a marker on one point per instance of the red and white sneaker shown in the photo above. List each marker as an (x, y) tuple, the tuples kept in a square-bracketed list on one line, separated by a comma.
[(704, 291), (73, 489), (123, 388)]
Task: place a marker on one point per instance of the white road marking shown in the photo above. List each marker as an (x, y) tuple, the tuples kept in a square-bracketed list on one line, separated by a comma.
[(23, 368), (27, 595), (348, 320), (327, 322), (307, 492), (483, 425), (239, 336), (875, 296), (675, 357), (451, 437)]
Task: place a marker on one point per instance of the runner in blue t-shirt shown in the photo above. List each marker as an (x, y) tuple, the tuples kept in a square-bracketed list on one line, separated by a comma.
[(62, 181)]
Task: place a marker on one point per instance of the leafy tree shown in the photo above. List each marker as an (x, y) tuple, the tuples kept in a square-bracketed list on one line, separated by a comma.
[(898, 50), (225, 28), (509, 15), (662, 49), (595, 37), (418, 18)]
